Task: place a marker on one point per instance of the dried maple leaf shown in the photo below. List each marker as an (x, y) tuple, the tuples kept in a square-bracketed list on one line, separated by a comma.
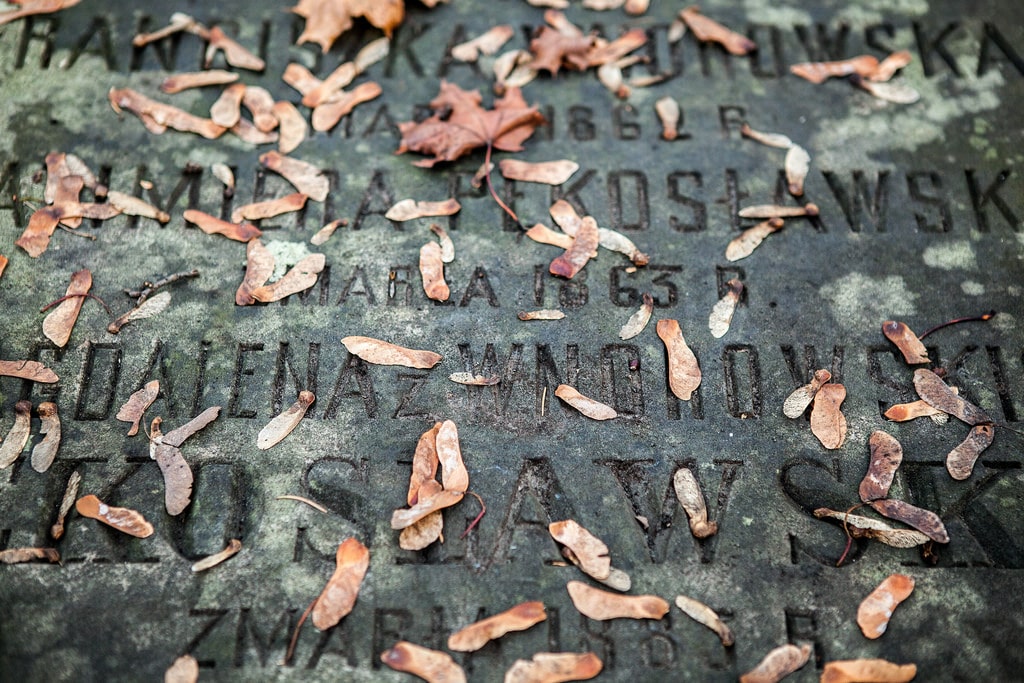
[(339, 595), (328, 19), (551, 47)]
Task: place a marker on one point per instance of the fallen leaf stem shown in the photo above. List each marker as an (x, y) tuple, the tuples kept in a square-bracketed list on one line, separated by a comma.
[(73, 296), (483, 511), (977, 318), (295, 634), (149, 287), (849, 536), (490, 186)]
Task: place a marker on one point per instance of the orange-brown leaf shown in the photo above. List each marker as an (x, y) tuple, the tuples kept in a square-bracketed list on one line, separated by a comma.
[(328, 19)]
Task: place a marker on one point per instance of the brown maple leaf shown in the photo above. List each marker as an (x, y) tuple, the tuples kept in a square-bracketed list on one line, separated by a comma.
[(551, 47), (328, 19), (460, 124)]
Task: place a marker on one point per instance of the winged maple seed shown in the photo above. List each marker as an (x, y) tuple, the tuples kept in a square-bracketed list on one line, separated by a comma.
[(602, 605), (185, 669), (904, 412), (324, 233), (669, 114), (723, 310), (66, 502), (744, 245), (32, 370), (430, 665), (925, 521), (46, 450), (776, 211), (590, 554), (546, 172), (197, 79), (292, 126), (384, 353), (960, 461), (211, 225), (408, 209), (470, 379), (940, 396), (28, 8), (778, 664), (554, 667), (36, 236), (692, 499), (432, 272), (282, 425), (859, 526), (124, 520), (876, 609), (227, 110), (22, 555), (339, 595), (886, 456), (485, 44), (638, 321), (542, 314), (3, 264), (819, 72), (260, 104), (706, 616), (300, 277), (595, 410), (708, 30), (476, 635), (211, 561), (827, 420), (164, 449), (158, 117), (307, 178), (875, 670), (58, 324), (422, 523), (147, 309), (914, 352), (796, 403), (683, 370), (133, 206), (269, 208), (11, 447)]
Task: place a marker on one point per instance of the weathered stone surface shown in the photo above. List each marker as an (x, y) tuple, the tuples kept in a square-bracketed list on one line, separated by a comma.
[(921, 210)]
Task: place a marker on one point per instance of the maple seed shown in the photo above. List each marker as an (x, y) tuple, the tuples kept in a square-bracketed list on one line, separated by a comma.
[(234, 54), (292, 125), (638, 321), (327, 114), (602, 605), (34, 371), (307, 178), (258, 269), (430, 665), (300, 277), (904, 412), (827, 420), (578, 254), (58, 324), (260, 104), (68, 500), (867, 671), (960, 461), (324, 233), (282, 425), (11, 447), (554, 667), (683, 370), (133, 206), (876, 609), (468, 378), (46, 450), (669, 113), (384, 353), (147, 309), (858, 526), (211, 225), (796, 403), (938, 394), (198, 79), (543, 314), (185, 669), (886, 456), (158, 117), (819, 72), (708, 30), (234, 545), (595, 410), (590, 553), (408, 209), (542, 234), (897, 93), (703, 614), (723, 310), (914, 352), (227, 110), (123, 519), (339, 595), (925, 521), (22, 555), (476, 635), (546, 172), (778, 664), (776, 211), (269, 208), (487, 43), (692, 499), (797, 165)]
